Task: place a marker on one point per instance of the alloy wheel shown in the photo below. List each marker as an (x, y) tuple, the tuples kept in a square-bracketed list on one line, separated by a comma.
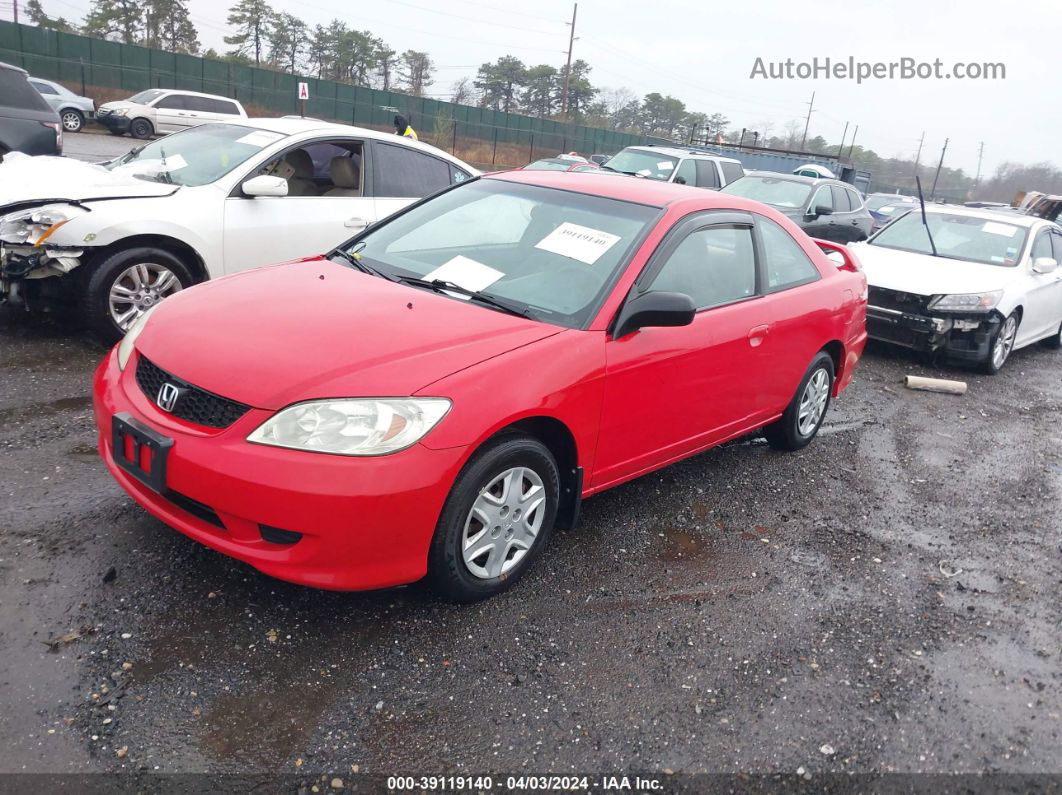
[(137, 289), (503, 523), (813, 402), (71, 121), (1004, 342)]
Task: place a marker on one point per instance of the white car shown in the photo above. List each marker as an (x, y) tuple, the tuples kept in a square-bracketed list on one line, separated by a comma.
[(118, 237), (162, 110), (675, 164), (973, 285)]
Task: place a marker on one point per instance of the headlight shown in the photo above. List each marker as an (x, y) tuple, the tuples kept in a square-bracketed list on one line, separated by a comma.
[(33, 227), (364, 426), (120, 112), (125, 347), (968, 302)]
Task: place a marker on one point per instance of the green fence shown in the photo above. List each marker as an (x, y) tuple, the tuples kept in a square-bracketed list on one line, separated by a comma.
[(481, 135)]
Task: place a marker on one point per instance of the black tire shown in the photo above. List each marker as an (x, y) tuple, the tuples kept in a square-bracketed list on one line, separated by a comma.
[(992, 366), (141, 128), (1054, 342), (73, 120), (96, 289), (448, 574), (785, 433)]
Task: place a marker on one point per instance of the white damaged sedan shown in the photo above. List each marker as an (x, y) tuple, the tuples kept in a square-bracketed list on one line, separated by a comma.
[(973, 285), (115, 238)]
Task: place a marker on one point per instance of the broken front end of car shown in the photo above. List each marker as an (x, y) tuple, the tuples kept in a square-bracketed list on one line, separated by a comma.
[(959, 326), (29, 260)]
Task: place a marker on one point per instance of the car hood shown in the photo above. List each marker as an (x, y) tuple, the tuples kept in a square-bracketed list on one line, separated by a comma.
[(121, 103), (25, 181), (923, 274), (315, 329)]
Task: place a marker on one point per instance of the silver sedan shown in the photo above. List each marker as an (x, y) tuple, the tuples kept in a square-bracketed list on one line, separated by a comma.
[(72, 109)]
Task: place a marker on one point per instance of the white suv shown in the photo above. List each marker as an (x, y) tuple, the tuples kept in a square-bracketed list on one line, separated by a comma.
[(674, 164), (161, 110)]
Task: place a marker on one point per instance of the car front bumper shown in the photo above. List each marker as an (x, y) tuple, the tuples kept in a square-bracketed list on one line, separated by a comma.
[(968, 338), (363, 522), (113, 122)]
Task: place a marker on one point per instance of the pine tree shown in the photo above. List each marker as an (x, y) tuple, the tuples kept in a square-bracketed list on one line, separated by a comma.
[(169, 26), (417, 72), (253, 20), (35, 14), (287, 41), (115, 19)]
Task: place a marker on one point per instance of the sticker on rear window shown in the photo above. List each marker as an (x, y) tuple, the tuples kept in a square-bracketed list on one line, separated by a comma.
[(999, 229), (578, 242), (259, 138), (466, 273)]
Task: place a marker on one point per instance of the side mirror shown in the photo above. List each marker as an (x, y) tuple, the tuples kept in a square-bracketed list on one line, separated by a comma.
[(1045, 265), (680, 180), (654, 309), (815, 212), (265, 185)]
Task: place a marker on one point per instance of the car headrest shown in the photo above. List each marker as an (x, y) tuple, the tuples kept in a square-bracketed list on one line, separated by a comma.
[(301, 161), (344, 172)]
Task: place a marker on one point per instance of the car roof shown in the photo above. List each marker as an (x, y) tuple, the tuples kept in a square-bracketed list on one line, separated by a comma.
[(190, 93), (798, 178), (677, 151), (13, 68), (655, 193)]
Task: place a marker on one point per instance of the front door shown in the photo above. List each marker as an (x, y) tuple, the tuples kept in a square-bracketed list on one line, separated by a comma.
[(1043, 296), (671, 391), (171, 114)]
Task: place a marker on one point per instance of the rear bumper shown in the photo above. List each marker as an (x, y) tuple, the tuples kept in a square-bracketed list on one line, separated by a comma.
[(364, 522), (964, 338)]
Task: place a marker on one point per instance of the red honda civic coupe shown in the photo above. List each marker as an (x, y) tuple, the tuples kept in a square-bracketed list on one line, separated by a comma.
[(436, 395)]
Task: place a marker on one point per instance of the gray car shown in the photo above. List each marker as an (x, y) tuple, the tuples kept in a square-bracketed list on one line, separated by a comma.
[(27, 123), (72, 109)]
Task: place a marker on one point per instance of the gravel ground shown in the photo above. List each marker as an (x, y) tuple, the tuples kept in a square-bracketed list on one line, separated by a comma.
[(885, 600)]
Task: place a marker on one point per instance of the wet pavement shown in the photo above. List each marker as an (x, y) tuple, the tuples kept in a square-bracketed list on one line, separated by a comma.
[(886, 600)]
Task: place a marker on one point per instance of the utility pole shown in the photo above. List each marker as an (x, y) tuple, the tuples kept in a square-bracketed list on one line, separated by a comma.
[(980, 155), (840, 149), (933, 190), (852, 145), (811, 106), (15, 5), (918, 156), (568, 70)]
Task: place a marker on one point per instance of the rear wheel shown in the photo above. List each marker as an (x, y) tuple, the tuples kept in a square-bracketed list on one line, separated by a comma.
[(804, 415), (1002, 345), (72, 120), (127, 284), (141, 128), (497, 519)]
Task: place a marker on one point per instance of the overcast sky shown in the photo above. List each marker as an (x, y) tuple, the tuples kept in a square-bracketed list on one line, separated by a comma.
[(703, 53)]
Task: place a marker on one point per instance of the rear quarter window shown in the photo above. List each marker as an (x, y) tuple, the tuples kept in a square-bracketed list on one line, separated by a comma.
[(732, 171), (401, 172), (707, 175), (16, 92)]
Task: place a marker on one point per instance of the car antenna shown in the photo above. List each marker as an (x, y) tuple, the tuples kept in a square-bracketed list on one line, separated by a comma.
[(925, 223)]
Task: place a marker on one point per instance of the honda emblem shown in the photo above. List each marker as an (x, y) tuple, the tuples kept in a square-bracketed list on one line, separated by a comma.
[(167, 397)]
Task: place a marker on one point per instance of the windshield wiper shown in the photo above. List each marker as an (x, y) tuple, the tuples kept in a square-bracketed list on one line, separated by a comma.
[(356, 262), (441, 285)]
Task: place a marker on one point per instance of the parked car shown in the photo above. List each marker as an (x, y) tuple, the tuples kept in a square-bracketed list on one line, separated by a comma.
[(72, 109), (561, 164), (118, 237), (827, 209), (160, 110), (599, 159), (973, 285), (672, 164), (27, 123), (435, 395), (883, 207)]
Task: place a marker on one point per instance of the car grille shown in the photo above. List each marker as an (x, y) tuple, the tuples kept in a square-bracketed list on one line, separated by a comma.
[(193, 404), (909, 303)]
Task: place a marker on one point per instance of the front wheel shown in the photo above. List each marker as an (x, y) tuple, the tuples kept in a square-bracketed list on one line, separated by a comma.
[(127, 284), (497, 519), (804, 415), (72, 120), (1002, 345), (141, 128)]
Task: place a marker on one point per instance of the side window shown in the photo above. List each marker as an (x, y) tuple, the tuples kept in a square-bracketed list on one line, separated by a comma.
[(713, 266), (222, 106), (841, 203), (173, 102), (823, 198), (198, 104), (687, 170), (855, 199), (787, 264), (44, 88), (1056, 241), (1042, 246), (732, 171), (402, 172), (707, 175)]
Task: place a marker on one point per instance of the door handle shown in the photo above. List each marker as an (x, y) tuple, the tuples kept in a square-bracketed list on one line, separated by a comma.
[(757, 335), (355, 223)]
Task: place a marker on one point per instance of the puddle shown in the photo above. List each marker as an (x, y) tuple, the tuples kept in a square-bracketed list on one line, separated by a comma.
[(682, 545)]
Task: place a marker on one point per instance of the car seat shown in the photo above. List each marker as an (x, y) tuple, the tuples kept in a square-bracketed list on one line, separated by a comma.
[(346, 176), (301, 183)]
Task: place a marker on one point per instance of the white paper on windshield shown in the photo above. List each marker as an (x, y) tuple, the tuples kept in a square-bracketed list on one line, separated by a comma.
[(999, 229), (259, 138), (467, 273), (578, 242), (172, 163), (665, 165)]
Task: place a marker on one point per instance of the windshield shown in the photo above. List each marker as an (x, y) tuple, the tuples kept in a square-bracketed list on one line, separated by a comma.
[(770, 190), (643, 163), (144, 97), (877, 202), (195, 157), (552, 253), (960, 237)]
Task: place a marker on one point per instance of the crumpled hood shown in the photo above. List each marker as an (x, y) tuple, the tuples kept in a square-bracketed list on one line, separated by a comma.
[(315, 329), (25, 180), (923, 274)]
